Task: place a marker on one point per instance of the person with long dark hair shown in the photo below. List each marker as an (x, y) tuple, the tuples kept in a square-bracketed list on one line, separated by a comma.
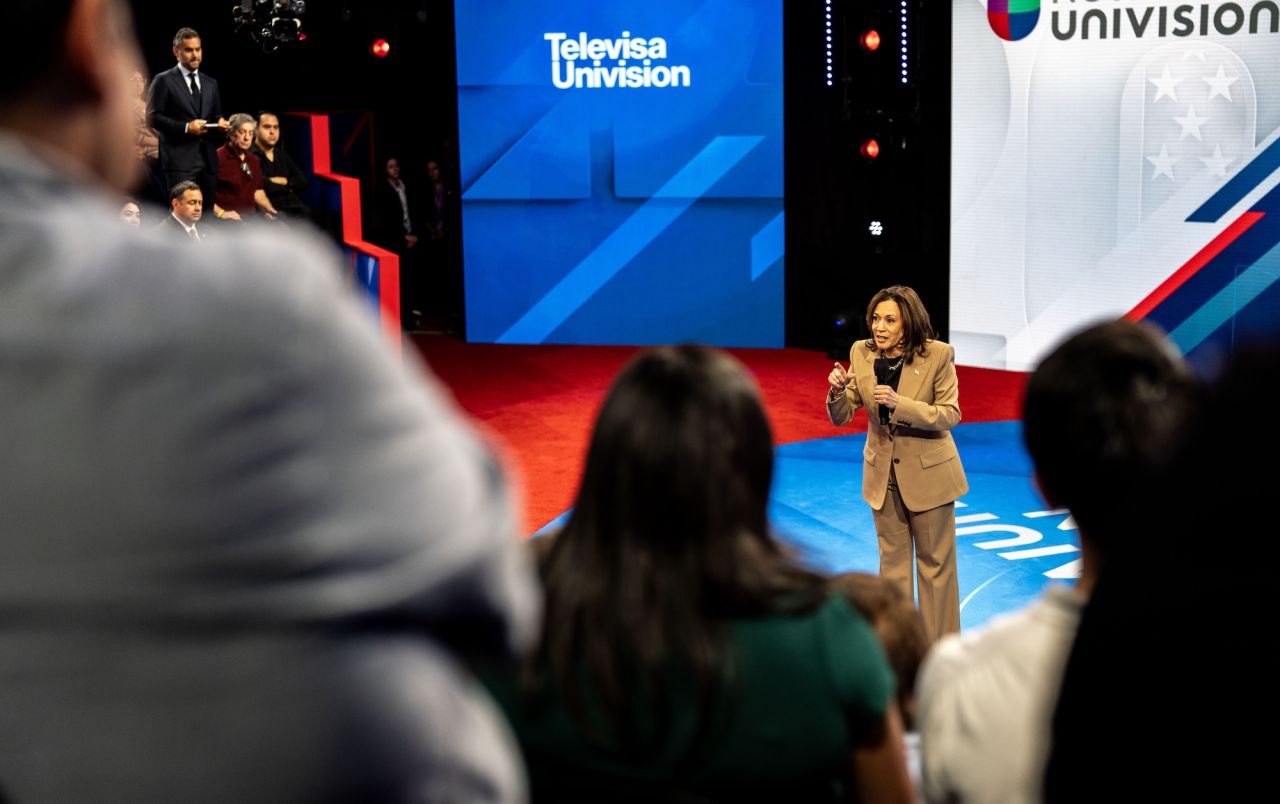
[(911, 474), (685, 656)]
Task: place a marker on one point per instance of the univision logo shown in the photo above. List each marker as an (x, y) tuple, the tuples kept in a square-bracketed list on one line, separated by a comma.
[(1013, 19)]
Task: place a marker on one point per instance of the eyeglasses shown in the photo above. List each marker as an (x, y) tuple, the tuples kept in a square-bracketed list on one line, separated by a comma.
[(248, 171)]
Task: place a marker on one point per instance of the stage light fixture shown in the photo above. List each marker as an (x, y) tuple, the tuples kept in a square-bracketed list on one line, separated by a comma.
[(380, 48), (270, 23), (871, 41), (869, 148), (876, 228)]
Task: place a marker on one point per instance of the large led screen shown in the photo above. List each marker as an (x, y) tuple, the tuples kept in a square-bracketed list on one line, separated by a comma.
[(1113, 158), (621, 167)]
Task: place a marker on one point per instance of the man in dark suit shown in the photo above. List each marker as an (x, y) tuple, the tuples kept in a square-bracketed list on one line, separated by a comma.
[(187, 205), (183, 106), (396, 226)]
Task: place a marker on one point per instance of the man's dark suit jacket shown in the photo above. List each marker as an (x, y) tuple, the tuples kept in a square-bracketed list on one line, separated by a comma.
[(170, 106), (388, 215), (171, 227)]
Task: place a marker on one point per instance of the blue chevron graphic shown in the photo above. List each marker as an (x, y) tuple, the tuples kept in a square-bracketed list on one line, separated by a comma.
[(1204, 316), (767, 246), (1249, 177), (630, 238), (1224, 305)]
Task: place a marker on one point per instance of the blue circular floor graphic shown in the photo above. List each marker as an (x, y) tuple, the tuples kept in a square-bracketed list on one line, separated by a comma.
[(1009, 544)]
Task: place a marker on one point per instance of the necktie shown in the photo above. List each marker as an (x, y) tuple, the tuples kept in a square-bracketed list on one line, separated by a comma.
[(195, 89), (194, 234)]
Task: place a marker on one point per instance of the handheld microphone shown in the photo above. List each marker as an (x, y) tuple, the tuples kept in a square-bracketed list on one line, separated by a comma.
[(881, 366)]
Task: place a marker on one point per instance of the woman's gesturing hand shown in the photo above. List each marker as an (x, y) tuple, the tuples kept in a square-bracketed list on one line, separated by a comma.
[(839, 379)]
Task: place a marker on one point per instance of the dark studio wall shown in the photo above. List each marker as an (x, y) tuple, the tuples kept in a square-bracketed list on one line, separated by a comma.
[(834, 265)]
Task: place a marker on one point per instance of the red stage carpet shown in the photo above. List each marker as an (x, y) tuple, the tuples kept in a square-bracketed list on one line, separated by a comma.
[(538, 403)]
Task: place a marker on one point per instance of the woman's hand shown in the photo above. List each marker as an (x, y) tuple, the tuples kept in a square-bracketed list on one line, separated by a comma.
[(838, 379), (886, 397)]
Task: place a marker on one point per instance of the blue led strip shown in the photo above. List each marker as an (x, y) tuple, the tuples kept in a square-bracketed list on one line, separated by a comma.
[(830, 61), (903, 40)]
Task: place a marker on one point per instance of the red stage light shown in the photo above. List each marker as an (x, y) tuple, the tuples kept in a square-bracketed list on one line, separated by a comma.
[(380, 48), (871, 40), (869, 148)]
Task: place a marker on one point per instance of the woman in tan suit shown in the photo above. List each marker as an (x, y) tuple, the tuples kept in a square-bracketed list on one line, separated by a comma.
[(911, 472)]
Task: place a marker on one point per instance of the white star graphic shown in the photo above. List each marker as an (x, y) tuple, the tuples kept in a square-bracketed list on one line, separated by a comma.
[(1220, 84), (1191, 124), (1163, 163), (1166, 85), (1217, 163)]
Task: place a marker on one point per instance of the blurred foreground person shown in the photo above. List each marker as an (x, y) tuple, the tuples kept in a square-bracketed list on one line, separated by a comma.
[(240, 544), (1102, 414), (1171, 675), (898, 624), (684, 657)]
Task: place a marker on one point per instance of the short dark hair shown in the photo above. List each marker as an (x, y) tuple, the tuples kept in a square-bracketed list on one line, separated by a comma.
[(917, 330), (30, 46), (1103, 414), (898, 625), (184, 33), (181, 187)]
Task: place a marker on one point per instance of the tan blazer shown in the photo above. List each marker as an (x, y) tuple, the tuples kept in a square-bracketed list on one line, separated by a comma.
[(917, 443)]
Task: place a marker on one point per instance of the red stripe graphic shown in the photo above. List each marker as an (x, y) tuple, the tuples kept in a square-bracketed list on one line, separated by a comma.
[(1193, 265), (388, 261)]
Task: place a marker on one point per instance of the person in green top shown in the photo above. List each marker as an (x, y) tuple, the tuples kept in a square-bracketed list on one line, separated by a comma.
[(685, 656)]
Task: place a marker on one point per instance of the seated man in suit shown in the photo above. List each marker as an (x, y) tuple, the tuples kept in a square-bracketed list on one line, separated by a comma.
[(186, 203)]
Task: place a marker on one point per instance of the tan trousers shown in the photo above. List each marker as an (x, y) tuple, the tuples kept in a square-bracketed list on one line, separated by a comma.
[(933, 534)]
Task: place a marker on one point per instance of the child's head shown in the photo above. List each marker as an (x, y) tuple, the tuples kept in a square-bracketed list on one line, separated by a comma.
[(897, 624)]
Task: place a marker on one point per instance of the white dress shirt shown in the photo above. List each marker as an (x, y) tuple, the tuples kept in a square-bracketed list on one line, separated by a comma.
[(985, 702)]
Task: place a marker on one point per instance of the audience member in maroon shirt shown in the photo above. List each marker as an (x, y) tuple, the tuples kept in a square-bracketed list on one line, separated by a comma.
[(240, 189)]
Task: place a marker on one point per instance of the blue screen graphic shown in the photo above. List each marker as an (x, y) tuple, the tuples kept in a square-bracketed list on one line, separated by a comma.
[(621, 171)]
